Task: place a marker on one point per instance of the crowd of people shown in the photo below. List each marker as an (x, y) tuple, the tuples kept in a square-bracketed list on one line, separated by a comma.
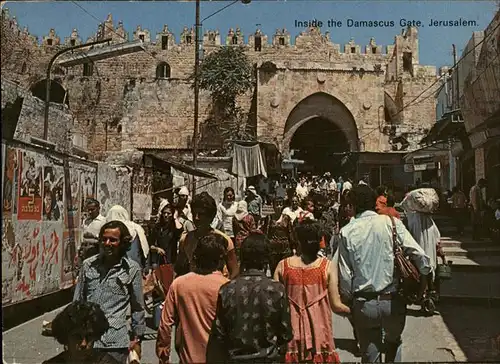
[(249, 287)]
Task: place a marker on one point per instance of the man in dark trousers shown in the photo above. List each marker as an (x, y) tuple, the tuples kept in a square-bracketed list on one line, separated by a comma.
[(252, 322), (366, 263)]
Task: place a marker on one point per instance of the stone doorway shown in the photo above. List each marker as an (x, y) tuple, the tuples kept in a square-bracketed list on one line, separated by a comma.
[(321, 131), (321, 144)]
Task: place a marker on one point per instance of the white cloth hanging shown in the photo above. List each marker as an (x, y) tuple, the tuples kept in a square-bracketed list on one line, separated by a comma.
[(248, 161)]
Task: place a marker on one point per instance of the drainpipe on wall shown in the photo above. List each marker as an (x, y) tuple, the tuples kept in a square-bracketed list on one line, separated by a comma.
[(452, 166)]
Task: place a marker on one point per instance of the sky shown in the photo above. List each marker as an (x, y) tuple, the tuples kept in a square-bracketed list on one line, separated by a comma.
[(268, 15)]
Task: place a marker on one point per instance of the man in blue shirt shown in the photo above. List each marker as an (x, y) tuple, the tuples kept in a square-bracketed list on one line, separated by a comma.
[(114, 282)]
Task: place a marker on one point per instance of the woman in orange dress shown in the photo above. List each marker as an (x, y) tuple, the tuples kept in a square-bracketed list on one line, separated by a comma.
[(311, 283)]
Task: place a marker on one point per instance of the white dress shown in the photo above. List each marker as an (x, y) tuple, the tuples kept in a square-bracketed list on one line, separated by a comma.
[(426, 233)]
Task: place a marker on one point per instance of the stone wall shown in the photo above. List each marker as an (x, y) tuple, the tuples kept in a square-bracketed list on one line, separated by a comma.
[(124, 103), (30, 119)]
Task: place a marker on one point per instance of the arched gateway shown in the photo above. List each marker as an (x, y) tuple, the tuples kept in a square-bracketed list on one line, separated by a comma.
[(320, 129)]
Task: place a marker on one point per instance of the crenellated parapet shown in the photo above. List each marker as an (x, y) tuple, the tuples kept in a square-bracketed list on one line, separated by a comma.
[(187, 36), (402, 55), (373, 48), (142, 34), (281, 38), (51, 39), (121, 34), (165, 39), (212, 38), (73, 40), (312, 37), (352, 47), (257, 41), (235, 37)]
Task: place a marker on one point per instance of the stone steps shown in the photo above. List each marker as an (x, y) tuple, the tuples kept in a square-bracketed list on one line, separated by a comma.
[(473, 252), (475, 268), (456, 243), (484, 264)]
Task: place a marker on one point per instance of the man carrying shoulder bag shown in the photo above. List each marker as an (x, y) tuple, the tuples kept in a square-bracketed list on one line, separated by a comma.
[(370, 254)]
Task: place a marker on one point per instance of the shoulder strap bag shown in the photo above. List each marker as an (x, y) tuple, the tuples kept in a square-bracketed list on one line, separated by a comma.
[(405, 270)]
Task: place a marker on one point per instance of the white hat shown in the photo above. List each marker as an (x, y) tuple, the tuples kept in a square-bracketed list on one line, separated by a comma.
[(164, 203), (252, 189), (183, 191)]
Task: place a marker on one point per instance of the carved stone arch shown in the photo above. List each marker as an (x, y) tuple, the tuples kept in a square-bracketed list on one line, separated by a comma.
[(323, 106), (58, 94), (391, 110)]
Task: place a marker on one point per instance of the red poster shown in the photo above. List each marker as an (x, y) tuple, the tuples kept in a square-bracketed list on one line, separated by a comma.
[(10, 178), (30, 188)]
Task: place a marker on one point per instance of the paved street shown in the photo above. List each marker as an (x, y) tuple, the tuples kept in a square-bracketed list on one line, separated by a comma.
[(425, 339), (459, 333)]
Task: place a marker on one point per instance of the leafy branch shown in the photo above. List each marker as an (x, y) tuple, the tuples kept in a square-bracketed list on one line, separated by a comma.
[(227, 73)]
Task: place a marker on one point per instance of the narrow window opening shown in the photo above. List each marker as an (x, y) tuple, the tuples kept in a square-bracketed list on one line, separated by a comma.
[(88, 69), (282, 41), (72, 42), (235, 39), (258, 44), (23, 68), (164, 42), (141, 37), (49, 42), (163, 70), (353, 49), (188, 39), (374, 50), (407, 62)]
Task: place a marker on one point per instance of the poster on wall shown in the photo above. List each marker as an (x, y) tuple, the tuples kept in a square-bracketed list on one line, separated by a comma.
[(68, 261), (87, 187), (53, 193), (37, 258), (10, 158), (10, 257), (113, 187), (72, 216), (30, 187), (142, 194), (143, 205)]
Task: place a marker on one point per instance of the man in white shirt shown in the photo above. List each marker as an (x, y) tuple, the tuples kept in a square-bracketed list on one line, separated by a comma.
[(347, 185), (91, 227), (301, 190), (366, 270)]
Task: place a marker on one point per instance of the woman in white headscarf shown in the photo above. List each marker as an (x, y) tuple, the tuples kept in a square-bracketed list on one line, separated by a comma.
[(424, 230), (139, 248)]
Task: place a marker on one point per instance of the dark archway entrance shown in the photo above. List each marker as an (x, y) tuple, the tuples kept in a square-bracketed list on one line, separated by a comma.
[(57, 93), (321, 131), (322, 145)]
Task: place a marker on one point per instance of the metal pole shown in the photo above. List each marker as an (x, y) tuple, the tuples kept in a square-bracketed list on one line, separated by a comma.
[(196, 91), (48, 81), (457, 88)]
